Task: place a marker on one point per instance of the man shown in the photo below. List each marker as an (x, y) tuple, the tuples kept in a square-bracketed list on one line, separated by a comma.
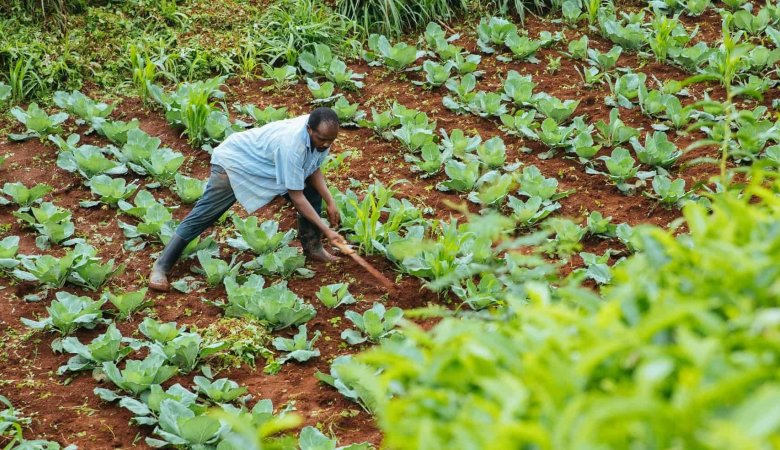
[(253, 167)]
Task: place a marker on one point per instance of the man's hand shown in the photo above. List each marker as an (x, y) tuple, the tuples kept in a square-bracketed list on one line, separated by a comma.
[(334, 217), (335, 238)]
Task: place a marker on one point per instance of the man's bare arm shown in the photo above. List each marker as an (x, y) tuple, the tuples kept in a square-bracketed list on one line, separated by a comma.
[(317, 181), (304, 207)]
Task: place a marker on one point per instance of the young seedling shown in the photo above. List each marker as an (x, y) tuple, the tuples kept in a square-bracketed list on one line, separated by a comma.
[(109, 191), (398, 57), (335, 295), (107, 347), (531, 211), (221, 391), (621, 167), (128, 303), (67, 314), (22, 196), (275, 304), (188, 189), (280, 77), (261, 238), (38, 123), (300, 347), (372, 325), (79, 104)]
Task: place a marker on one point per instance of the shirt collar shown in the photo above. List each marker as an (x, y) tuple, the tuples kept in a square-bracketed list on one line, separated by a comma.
[(309, 147), (307, 137)]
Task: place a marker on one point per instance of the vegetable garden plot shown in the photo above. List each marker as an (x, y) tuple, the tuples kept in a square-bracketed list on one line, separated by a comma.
[(487, 167)]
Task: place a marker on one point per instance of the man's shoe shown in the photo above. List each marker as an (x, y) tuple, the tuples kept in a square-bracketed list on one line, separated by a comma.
[(158, 279)]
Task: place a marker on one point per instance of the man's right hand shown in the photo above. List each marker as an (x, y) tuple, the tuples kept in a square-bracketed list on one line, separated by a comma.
[(335, 238)]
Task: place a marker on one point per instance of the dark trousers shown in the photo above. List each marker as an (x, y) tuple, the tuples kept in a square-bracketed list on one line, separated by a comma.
[(218, 198)]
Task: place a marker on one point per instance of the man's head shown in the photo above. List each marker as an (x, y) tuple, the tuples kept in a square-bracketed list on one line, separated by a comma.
[(323, 128)]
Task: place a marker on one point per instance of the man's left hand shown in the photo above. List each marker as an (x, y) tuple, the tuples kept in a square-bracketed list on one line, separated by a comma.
[(334, 217)]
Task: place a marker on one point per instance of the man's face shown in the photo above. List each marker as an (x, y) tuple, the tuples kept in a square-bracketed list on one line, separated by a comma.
[(323, 136)]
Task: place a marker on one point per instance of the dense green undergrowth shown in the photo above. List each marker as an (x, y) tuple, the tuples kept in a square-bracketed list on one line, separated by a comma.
[(684, 356)]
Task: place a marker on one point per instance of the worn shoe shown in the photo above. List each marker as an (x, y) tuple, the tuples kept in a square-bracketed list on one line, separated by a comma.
[(158, 278)]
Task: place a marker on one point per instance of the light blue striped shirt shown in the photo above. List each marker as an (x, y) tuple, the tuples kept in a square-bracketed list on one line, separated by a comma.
[(264, 162)]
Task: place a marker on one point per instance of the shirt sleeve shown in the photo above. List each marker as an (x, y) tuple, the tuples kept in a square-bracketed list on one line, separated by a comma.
[(289, 168)]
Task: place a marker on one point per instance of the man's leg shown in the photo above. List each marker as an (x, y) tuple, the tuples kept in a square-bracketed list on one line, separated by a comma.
[(217, 198), (309, 233)]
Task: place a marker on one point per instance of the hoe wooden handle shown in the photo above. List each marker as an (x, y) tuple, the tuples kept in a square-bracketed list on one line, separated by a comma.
[(345, 249)]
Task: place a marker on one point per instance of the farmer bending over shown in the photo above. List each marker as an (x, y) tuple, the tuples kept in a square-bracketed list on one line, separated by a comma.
[(253, 167)]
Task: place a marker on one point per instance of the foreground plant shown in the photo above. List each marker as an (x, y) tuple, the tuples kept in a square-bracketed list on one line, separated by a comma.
[(181, 426), (354, 381), (11, 422), (47, 270), (437, 399), (260, 238), (89, 161), (88, 270), (214, 268), (313, 439), (285, 262), (9, 248), (221, 391), (185, 351)]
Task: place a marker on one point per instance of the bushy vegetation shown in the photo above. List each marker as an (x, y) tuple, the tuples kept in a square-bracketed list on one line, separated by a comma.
[(689, 343)]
